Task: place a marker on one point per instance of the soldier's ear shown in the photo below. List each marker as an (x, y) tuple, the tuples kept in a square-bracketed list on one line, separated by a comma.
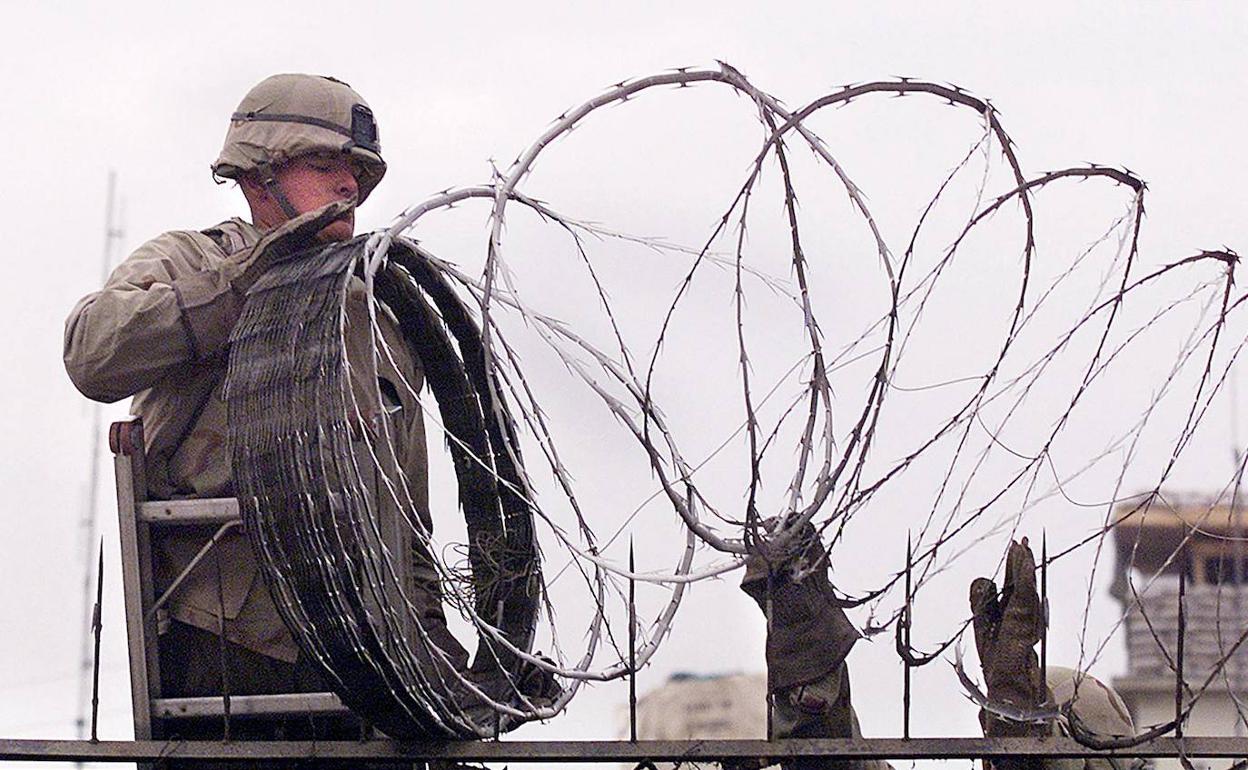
[(252, 187)]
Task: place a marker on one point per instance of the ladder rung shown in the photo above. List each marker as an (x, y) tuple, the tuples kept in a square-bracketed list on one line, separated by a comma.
[(249, 705), (209, 510)]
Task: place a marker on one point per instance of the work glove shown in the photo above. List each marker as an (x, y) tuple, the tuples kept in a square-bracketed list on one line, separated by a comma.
[(244, 267), (805, 554), (808, 636), (211, 300), (1007, 627)]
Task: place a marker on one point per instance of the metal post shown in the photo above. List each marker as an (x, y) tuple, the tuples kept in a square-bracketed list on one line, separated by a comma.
[(771, 716), (1044, 602), (225, 668), (90, 523), (632, 644), (97, 625), (1178, 679), (905, 662), (1239, 574)]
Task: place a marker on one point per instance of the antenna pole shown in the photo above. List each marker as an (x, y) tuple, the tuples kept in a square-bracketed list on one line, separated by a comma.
[(86, 660)]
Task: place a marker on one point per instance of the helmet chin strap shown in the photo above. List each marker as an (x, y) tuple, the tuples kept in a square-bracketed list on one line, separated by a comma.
[(274, 188)]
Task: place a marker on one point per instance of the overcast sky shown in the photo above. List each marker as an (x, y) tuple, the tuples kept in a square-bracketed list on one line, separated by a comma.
[(145, 89)]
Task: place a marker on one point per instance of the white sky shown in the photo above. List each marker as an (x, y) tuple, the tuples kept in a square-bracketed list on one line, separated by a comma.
[(145, 89)]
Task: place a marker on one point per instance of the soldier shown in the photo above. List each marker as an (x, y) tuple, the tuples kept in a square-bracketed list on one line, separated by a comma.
[(304, 150)]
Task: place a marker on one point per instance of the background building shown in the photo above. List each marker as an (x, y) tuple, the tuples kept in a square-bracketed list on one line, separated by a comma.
[(703, 706), (1204, 541)]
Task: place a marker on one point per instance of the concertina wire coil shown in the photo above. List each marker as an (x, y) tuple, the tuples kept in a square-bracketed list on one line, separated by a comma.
[(318, 512)]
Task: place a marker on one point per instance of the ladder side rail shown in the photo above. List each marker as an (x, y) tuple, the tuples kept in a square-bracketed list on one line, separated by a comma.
[(125, 439), (137, 516)]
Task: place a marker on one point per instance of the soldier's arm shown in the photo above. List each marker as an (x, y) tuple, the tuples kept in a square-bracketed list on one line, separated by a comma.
[(166, 306), (172, 303)]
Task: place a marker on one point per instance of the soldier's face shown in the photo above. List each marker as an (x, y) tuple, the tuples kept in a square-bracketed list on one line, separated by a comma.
[(312, 181)]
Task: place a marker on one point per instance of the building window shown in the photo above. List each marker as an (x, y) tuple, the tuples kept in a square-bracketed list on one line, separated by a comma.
[(1220, 570)]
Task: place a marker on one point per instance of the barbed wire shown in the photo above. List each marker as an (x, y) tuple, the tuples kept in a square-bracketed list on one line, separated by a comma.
[(996, 466)]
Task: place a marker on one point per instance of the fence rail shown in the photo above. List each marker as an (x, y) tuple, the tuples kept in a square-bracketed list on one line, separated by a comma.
[(27, 750)]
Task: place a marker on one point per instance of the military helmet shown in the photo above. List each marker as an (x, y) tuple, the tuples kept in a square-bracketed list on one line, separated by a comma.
[(285, 116)]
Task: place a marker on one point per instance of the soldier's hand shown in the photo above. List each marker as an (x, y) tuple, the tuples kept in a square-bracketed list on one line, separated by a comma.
[(1007, 627), (1022, 616), (292, 236)]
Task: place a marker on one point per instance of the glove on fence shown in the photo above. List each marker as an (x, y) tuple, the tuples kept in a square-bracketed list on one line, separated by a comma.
[(1007, 628), (808, 635)]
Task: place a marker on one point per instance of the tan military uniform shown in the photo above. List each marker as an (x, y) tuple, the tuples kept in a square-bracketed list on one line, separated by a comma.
[(159, 330)]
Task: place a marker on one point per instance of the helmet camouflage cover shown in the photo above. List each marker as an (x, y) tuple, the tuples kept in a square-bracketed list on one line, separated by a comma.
[(285, 116)]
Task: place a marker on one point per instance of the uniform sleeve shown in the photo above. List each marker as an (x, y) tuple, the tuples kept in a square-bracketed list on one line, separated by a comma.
[(168, 304)]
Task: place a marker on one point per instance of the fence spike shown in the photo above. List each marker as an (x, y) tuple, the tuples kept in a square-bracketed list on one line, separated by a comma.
[(97, 626), (905, 662), (632, 643), (1178, 679), (771, 716), (1044, 602)]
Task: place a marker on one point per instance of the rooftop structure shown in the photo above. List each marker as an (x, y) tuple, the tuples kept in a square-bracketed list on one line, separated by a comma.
[(1203, 542)]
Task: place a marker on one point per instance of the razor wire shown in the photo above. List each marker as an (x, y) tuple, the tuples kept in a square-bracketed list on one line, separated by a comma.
[(339, 529)]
